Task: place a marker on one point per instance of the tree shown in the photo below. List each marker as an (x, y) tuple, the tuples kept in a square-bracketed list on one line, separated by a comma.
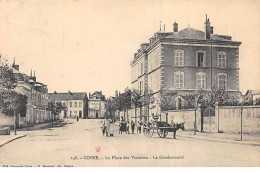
[(11, 101), (111, 107), (147, 100), (166, 100), (136, 100), (55, 108)]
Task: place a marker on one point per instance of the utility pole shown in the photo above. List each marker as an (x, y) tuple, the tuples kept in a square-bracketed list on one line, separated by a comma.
[(210, 86)]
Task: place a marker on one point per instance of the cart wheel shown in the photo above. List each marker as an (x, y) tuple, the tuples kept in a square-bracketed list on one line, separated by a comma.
[(160, 133), (165, 133), (145, 131), (150, 131)]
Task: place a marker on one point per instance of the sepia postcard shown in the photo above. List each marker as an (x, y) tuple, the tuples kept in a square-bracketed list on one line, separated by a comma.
[(129, 83)]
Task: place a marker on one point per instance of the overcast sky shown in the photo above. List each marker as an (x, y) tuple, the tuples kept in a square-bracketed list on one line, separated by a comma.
[(88, 46)]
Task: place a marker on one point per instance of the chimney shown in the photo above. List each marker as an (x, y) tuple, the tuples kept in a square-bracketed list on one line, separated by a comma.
[(34, 77), (116, 93), (15, 66), (175, 27), (208, 28)]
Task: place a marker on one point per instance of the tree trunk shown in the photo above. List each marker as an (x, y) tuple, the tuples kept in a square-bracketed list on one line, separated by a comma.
[(14, 122)]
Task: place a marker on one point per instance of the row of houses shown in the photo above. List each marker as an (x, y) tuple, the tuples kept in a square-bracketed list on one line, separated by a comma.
[(77, 103)]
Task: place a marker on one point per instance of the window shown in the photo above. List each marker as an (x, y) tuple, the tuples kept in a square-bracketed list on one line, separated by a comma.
[(222, 81), (201, 58), (70, 113), (201, 80), (142, 70), (75, 104), (141, 87), (80, 104), (179, 79), (75, 112), (178, 57), (222, 59), (71, 104)]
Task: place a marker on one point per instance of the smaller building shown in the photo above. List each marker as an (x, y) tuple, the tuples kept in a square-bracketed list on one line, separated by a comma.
[(96, 105), (76, 103), (252, 96)]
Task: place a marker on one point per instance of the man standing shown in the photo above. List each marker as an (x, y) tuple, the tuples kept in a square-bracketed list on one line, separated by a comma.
[(132, 126)]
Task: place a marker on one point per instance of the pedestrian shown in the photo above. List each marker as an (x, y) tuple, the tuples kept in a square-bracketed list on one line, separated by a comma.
[(132, 126), (77, 119), (127, 127), (139, 127), (104, 128)]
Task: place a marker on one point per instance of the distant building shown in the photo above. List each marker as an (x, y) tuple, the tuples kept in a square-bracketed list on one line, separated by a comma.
[(96, 105), (252, 95), (76, 103), (185, 61), (37, 97)]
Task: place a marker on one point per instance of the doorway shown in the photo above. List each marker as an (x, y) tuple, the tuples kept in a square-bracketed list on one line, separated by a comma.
[(96, 115)]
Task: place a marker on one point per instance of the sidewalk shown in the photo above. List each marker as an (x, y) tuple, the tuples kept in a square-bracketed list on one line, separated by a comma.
[(222, 137), (5, 139)]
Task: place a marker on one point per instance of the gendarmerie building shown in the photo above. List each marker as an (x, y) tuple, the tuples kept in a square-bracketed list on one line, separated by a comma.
[(185, 61)]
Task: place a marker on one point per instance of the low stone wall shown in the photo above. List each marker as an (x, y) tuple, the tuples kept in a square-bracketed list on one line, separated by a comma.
[(228, 119), (187, 116)]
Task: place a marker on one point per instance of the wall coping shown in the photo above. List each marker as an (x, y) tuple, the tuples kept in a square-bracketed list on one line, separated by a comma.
[(238, 107)]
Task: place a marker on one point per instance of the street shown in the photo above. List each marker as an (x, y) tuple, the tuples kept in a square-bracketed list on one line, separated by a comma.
[(82, 144)]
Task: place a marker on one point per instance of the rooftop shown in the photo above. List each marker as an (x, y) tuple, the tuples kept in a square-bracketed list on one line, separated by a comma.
[(67, 96)]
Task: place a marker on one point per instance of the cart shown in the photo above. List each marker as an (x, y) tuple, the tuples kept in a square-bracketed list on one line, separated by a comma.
[(162, 128)]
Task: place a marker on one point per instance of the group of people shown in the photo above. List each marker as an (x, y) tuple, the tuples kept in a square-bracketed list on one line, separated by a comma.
[(108, 128), (129, 125)]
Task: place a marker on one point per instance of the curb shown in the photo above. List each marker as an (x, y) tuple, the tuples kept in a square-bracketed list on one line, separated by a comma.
[(223, 140), (11, 140)]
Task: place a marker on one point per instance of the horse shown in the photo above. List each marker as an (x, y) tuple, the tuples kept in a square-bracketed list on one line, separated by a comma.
[(165, 128), (177, 127)]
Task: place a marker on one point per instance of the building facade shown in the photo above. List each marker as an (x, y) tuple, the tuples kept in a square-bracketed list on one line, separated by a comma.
[(75, 102), (37, 97), (185, 61), (96, 105)]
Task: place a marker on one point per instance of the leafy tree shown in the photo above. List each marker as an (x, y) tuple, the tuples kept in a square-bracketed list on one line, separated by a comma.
[(166, 100), (147, 100), (55, 107), (111, 107), (136, 100), (8, 80)]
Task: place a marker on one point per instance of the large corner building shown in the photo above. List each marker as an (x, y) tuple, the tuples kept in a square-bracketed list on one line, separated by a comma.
[(185, 61)]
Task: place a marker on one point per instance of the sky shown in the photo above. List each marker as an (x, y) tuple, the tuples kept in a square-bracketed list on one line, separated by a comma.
[(87, 46)]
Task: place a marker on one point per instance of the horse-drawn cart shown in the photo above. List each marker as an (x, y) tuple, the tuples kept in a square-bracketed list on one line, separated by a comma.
[(162, 128)]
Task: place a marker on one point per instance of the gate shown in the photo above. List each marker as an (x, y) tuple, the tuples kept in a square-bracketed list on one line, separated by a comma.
[(207, 118)]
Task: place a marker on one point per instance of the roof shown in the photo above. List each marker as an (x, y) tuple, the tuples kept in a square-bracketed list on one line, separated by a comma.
[(253, 92), (97, 94), (68, 96), (191, 33)]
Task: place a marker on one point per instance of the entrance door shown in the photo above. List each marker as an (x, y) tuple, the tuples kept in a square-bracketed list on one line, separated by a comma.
[(96, 115), (80, 114)]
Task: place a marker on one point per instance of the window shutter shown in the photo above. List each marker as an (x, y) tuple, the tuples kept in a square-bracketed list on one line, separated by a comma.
[(197, 77), (218, 59), (204, 59), (197, 59)]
